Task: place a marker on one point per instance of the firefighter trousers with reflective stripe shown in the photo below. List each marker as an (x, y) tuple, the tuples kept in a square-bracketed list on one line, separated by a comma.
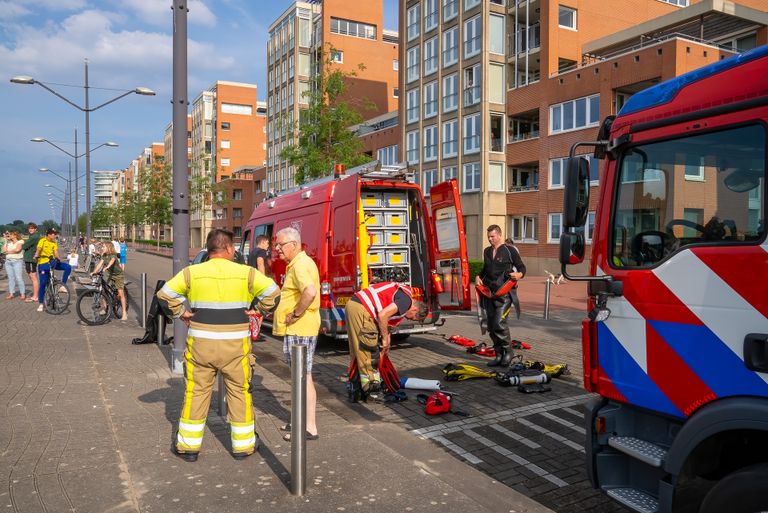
[(497, 310), (363, 340), (204, 359)]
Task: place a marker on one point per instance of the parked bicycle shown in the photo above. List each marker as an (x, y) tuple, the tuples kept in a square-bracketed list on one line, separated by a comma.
[(99, 302), (56, 299)]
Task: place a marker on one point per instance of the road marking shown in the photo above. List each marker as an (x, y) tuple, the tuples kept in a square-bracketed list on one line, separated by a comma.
[(517, 459), (458, 450), (523, 440), (551, 434), (563, 422)]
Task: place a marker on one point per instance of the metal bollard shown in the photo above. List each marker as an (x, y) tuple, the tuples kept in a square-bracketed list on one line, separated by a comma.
[(144, 300), (161, 329), (298, 419), (222, 393), (547, 287)]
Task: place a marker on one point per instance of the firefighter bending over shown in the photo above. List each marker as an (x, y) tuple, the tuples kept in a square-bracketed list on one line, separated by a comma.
[(219, 292), (370, 313)]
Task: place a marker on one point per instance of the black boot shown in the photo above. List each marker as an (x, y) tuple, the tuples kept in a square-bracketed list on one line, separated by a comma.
[(507, 358), (500, 354)]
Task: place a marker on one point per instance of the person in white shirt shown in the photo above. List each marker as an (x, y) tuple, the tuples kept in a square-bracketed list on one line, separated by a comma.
[(73, 260)]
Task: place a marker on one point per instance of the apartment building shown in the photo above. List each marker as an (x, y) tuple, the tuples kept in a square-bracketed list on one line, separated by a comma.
[(495, 91), (238, 194), (168, 144), (105, 192), (297, 39), (228, 132), (381, 137), (568, 71)]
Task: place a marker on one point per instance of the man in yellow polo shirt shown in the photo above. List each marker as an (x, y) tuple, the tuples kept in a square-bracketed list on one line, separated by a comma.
[(48, 259), (298, 315)]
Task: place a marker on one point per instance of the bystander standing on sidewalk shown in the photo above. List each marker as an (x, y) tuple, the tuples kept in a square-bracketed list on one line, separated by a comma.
[(30, 264), (14, 262), (298, 314)]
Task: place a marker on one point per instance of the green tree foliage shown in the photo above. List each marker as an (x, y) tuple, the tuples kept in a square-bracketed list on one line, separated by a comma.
[(47, 225), (82, 223), (156, 195), (102, 216), (129, 211), (324, 138)]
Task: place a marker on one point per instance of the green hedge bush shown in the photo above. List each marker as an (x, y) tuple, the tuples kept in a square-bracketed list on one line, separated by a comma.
[(475, 266)]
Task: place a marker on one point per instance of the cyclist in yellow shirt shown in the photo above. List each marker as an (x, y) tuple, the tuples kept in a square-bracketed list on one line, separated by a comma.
[(47, 256)]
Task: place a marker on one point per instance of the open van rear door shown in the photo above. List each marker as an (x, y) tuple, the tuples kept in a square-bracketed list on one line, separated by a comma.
[(450, 246)]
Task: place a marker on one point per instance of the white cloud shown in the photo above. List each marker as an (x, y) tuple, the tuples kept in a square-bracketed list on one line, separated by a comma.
[(11, 10), (159, 13), (119, 58)]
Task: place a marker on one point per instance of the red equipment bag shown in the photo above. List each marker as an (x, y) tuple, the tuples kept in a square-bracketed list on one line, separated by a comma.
[(254, 325), (462, 341)]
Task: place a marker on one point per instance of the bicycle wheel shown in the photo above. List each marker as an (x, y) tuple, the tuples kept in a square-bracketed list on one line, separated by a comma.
[(93, 307), (56, 300), (117, 308)]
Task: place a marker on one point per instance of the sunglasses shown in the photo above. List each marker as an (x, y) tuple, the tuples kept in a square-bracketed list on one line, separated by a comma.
[(279, 245)]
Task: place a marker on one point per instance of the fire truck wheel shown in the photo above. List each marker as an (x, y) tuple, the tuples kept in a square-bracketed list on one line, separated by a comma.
[(742, 491)]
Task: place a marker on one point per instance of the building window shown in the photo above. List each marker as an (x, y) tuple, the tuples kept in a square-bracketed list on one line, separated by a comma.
[(237, 194), (224, 162), (472, 84), (237, 212), (472, 177), (469, 4), (450, 92), (430, 100), (224, 126), (679, 3), (412, 22), (412, 147), (497, 132), (566, 17), (224, 144), (430, 143), (451, 46), (472, 37), (555, 228), (387, 156), (523, 228), (450, 9), (430, 56), (305, 33), (237, 231), (496, 176), (557, 171), (304, 65), (412, 106), (353, 28), (337, 56), (449, 172), (396, 92), (450, 138), (412, 64), (496, 36), (430, 15), (497, 89), (574, 114), (430, 179), (472, 133), (395, 64), (234, 108), (694, 172)]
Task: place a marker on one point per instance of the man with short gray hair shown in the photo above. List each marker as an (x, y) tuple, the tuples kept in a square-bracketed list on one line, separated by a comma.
[(298, 315)]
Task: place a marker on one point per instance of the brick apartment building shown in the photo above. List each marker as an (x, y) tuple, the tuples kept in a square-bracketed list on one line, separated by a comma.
[(354, 31), (240, 192), (496, 91), (228, 132)]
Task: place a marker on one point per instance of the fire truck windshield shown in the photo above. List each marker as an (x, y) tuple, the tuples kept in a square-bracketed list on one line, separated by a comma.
[(706, 188)]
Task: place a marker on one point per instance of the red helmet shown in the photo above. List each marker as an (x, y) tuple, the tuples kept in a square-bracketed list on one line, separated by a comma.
[(437, 403)]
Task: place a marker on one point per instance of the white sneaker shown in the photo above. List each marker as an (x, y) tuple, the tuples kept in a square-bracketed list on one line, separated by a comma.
[(40, 308), (63, 289)]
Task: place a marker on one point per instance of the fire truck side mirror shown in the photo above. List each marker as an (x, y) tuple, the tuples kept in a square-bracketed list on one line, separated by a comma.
[(571, 248), (576, 197)]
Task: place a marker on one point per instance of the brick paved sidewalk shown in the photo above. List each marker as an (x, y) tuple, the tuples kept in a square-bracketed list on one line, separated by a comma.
[(88, 420)]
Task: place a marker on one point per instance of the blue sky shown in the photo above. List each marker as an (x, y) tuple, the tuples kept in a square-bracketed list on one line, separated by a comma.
[(128, 44)]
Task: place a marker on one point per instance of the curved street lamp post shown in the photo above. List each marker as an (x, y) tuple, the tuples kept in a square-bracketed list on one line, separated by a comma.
[(87, 109)]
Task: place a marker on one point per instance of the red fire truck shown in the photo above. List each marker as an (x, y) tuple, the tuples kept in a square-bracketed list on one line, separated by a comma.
[(372, 224), (675, 345)]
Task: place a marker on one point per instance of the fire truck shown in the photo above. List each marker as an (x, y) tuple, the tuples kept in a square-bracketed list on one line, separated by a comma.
[(675, 344), (372, 224)]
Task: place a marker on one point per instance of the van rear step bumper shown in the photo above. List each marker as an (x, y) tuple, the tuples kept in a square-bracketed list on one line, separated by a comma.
[(635, 500)]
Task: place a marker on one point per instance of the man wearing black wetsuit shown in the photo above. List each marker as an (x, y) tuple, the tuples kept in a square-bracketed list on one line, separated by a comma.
[(500, 264)]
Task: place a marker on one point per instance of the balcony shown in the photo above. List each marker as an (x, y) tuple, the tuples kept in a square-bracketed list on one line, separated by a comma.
[(527, 39), (523, 126), (523, 178)]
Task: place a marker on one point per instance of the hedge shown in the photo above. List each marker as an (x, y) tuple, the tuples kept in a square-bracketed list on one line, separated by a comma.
[(475, 266), (163, 243)]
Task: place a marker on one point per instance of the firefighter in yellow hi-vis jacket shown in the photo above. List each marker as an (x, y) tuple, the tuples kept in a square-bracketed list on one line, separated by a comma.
[(219, 293)]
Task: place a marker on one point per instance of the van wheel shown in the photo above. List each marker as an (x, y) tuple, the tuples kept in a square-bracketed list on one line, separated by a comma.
[(742, 491), (399, 337)]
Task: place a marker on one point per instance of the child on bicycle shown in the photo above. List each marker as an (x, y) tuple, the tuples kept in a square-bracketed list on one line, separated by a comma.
[(48, 259), (110, 264)]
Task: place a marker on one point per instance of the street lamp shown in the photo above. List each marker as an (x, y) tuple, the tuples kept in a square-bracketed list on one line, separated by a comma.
[(87, 109)]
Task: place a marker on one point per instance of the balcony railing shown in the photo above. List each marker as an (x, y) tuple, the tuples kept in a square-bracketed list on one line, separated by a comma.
[(523, 188), (528, 38), (471, 95), (523, 136)]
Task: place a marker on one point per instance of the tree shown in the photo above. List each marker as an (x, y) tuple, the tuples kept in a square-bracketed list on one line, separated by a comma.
[(156, 197), (48, 224), (102, 216), (324, 138), (129, 211)]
